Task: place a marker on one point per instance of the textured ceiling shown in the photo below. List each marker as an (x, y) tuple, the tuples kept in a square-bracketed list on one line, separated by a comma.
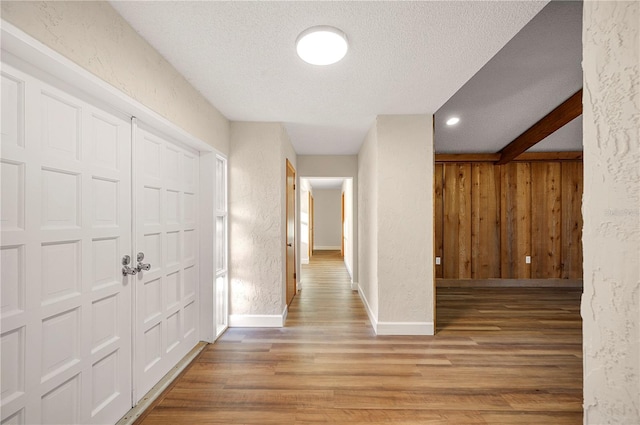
[(535, 72), (404, 58)]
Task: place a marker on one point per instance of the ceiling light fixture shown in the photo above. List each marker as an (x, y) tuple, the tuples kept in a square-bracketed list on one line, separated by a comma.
[(453, 121), (322, 45)]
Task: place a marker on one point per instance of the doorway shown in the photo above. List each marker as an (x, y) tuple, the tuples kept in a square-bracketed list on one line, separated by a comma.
[(326, 218)]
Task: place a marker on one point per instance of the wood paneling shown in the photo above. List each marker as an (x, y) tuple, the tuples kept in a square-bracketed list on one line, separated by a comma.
[(572, 188), (546, 215), (485, 220), (439, 211), (489, 218), (457, 220), (515, 220)]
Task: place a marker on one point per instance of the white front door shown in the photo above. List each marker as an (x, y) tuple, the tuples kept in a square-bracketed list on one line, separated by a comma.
[(166, 326), (65, 225)]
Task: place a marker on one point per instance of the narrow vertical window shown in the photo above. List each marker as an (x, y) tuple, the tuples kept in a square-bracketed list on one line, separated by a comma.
[(221, 246)]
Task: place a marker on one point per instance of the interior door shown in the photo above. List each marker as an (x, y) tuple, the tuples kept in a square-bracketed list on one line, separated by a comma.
[(167, 235), (65, 223), (291, 234)]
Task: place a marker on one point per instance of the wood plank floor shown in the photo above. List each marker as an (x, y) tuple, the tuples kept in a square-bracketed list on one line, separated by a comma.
[(500, 356)]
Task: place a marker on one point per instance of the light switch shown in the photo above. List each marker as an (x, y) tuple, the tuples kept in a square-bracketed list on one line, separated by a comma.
[(437, 261), (527, 259)]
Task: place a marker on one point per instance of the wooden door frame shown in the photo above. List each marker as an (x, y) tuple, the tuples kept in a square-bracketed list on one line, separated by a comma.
[(290, 195)]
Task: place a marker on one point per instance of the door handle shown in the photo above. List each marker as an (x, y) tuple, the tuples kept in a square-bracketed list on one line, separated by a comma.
[(142, 266), (126, 270), (289, 244)]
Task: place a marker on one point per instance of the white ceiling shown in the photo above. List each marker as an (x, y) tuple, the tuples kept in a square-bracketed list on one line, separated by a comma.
[(405, 57), (535, 72), (325, 182)]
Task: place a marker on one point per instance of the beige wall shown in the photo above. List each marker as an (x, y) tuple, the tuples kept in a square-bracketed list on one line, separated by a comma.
[(611, 211), (328, 220), (257, 206), (367, 223), (94, 36), (396, 224), (405, 219)]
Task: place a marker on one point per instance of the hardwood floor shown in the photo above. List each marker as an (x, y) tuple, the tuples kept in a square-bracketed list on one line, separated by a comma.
[(500, 356)]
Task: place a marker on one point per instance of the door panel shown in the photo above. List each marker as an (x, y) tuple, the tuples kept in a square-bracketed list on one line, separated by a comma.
[(167, 234), (66, 308)]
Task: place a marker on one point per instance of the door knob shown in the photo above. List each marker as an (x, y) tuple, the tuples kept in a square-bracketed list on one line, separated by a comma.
[(142, 266), (126, 270), (289, 244)]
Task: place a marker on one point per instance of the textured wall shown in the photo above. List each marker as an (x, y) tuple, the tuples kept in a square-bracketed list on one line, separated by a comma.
[(611, 209), (367, 219), (405, 218), (93, 35), (257, 176), (347, 189), (328, 221)]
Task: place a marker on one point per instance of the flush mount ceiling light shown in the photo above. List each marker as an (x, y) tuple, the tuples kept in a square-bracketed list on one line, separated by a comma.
[(453, 121), (322, 45)]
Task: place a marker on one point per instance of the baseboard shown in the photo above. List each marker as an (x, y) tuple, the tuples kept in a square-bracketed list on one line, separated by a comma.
[(327, 248), (372, 318), (258, 320), (405, 328), (304, 261), (346, 266), (509, 283), (354, 286), (156, 391)]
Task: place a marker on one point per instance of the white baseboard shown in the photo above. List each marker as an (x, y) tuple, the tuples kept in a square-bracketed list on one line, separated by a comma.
[(354, 286), (348, 269), (327, 248), (258, 320), (395, 328), (372, 317), (304, 261), (405, 328)]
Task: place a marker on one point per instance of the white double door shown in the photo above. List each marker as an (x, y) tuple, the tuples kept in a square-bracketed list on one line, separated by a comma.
[(81, 342)]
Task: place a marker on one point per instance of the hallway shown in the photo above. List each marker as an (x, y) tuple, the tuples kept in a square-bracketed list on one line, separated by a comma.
[(501, 356)]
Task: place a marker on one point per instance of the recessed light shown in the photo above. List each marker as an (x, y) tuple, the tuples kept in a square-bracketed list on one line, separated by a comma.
[(322, 45), (453, 121)]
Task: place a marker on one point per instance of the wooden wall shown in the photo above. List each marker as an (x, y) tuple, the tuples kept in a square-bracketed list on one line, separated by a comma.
[(490, 217)]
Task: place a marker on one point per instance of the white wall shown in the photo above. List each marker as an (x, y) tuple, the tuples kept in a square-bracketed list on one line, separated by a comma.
[(347, 189), (327, 218), (336, 166), (93, 35), (304, 223), (368, 223), (611, 211), (396, 219), (257, 206)]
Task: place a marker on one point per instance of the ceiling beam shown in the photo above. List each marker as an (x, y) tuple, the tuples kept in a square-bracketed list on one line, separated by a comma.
[(563, 114), (493, 157)]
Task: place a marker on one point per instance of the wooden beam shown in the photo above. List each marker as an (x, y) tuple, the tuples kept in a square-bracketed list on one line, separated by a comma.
[(467, 157), (493, 157), (563, 114), (550, 156)]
